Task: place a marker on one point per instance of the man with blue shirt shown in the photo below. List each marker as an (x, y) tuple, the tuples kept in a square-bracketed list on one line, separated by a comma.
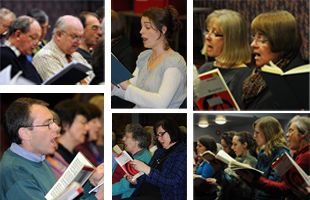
[(25, 174)]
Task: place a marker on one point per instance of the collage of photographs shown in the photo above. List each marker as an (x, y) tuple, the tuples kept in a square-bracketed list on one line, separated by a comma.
[(202, 100)]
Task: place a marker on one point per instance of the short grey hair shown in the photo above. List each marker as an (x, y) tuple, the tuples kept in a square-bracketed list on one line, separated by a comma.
[(60, 24), (302, 124), (4, 12), (22, 23), (138, 134)]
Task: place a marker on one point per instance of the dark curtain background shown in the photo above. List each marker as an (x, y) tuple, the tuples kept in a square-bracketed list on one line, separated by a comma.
[(250, 9), (53, 8)]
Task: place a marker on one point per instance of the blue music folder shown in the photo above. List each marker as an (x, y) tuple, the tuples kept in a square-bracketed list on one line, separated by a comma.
[(119, 72)]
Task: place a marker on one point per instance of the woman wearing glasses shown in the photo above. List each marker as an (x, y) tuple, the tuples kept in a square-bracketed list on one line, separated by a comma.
[(227, 41), (298, 139), (160, 76), (166, 174), (277, 38), (74, 127)]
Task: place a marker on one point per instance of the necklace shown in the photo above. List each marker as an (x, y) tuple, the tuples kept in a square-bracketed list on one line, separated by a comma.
[(152, 58)]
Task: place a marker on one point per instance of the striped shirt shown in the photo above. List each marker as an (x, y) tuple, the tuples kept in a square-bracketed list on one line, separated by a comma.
[(51, 59)]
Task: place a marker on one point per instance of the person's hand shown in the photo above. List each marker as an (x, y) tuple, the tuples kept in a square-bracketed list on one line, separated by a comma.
[(129, 179), (112, 86), (246, 175), (140, 166), (195, 176), (98, 175), (211, 181), (100, 193), (300, 191), (125, 84)]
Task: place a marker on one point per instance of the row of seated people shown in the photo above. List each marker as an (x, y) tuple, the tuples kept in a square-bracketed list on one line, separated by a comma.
[(260, 152), (73, 39), (44, 143)]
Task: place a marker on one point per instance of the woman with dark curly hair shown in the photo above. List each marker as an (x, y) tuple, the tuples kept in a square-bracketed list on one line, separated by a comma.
[(160, 76)]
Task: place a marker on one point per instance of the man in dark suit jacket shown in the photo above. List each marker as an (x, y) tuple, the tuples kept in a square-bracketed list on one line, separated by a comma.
[(24, 35)]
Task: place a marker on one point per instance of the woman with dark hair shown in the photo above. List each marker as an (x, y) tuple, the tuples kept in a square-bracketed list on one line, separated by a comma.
[(205, 143), (226, 141), (204, 170), (232, 186), (88, 147), (277, 38), (74, 127), (166, 174), (160, 76)]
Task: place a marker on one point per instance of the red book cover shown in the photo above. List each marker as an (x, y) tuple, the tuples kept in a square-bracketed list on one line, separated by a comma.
[(214, 93)]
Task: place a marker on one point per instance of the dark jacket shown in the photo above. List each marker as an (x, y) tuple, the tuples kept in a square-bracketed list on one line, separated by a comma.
[(266, 100), (172, 179), (128, 57), (21, 63)]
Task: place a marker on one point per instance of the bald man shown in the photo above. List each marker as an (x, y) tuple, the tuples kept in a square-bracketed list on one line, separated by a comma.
[(60, 51), (24, 35)]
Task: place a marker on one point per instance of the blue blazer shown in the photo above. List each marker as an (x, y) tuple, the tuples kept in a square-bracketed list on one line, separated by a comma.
[(172, 180)]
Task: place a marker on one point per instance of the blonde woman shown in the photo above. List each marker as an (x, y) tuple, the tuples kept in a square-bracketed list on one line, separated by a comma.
[(270, 136), (227, 41)]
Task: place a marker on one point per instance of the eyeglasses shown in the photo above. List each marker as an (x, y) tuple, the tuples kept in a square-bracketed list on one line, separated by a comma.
[(212, 34), (291, 130), (160, 134), (35, 41), (49, 125), (95, 28), (75, 38), (46, 27), (258, 41)]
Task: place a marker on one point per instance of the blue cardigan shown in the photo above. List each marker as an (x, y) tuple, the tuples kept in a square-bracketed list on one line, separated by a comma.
[(172, 180), (264, 164)]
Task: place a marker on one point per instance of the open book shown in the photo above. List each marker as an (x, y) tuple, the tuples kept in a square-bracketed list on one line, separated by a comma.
[(226, 159), (290, 88), (18, 79), (79, 170), (290, 171), (124, 160), (118, 71), (70, 192), (69, 75), (214, 93)]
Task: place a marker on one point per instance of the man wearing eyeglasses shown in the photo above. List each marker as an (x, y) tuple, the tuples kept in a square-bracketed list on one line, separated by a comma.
[(25, 174), (60, 51), (92, 33), (24, 34)]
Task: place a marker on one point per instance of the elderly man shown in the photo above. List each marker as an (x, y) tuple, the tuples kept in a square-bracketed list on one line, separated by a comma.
[(92, 34), (136, 142), (25, 174), (24, 34), (6, 18), (60, 51)]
